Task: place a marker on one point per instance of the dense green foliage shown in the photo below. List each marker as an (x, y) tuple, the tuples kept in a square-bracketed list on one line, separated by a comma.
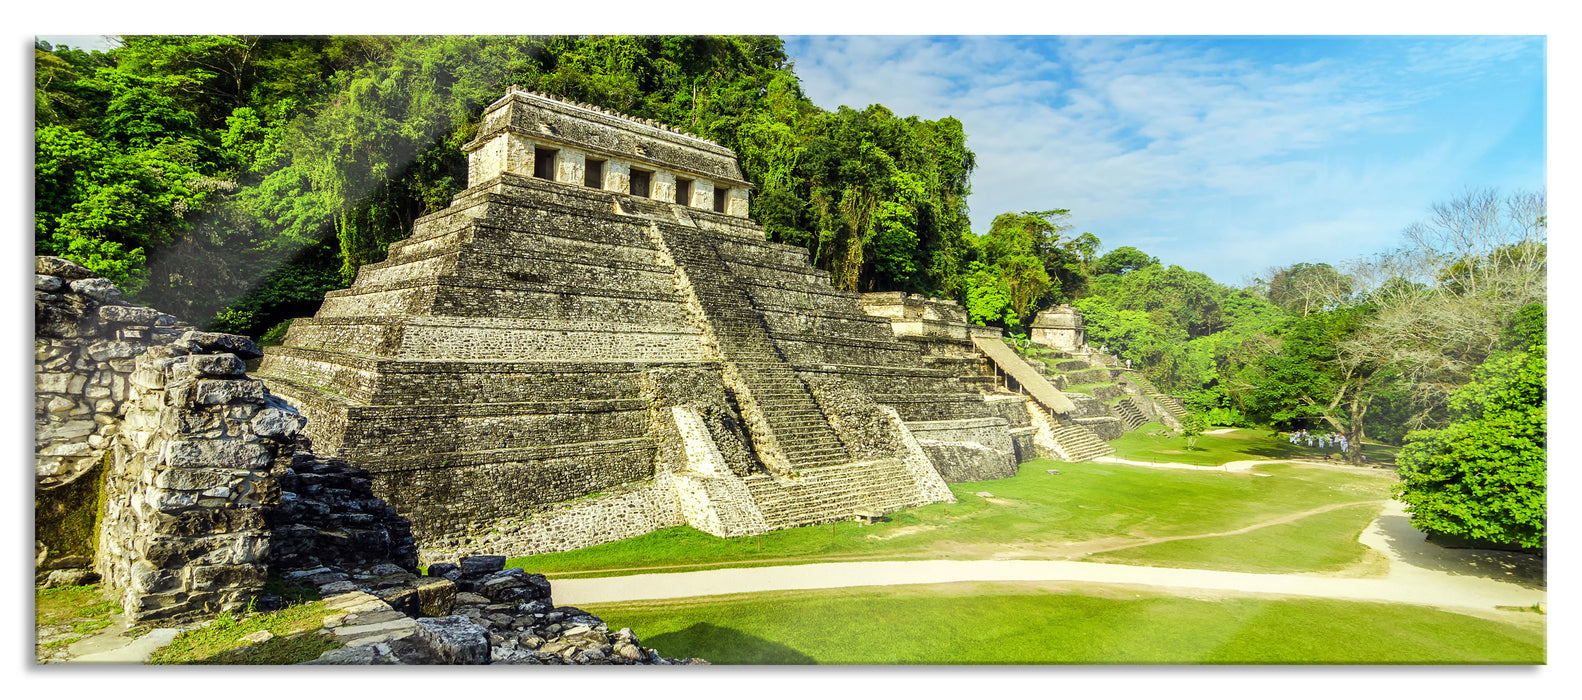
[(232, 180), (1192, 336), (1483, 477), (1023, 264)]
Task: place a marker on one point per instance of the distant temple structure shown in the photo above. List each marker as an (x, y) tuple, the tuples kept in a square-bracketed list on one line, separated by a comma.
[(1059, 327)]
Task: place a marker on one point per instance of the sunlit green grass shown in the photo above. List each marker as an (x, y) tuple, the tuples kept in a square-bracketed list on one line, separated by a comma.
[(1088, 624), (1032, 511), (1320, 542), (85, 608), (296, 630)]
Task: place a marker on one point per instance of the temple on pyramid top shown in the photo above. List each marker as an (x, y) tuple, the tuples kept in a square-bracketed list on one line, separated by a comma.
[(531, 135)]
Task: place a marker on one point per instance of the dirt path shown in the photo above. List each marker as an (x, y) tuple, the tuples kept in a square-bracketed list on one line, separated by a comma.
[(1420, 573), (1293, 517), (1240, 465)]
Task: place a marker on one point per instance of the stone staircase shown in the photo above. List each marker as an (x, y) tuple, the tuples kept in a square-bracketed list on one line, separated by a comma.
[(831, 494), (1080, 444), (1170, 404), (798, 427), (1142, 382), (1131, 416)]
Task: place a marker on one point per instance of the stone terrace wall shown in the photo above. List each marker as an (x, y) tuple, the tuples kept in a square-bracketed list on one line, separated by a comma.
[(207, 480)]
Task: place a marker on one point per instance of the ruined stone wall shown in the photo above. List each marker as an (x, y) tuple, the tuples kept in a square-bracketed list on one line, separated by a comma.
[(1059, 327), (206, 482), (184, 529), (85, 337)]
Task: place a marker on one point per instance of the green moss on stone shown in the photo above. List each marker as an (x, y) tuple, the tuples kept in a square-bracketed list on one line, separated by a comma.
[(66, 518)]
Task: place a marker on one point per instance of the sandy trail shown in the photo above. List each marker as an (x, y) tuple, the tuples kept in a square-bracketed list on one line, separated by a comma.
[(1420, 573), (1241, 465)]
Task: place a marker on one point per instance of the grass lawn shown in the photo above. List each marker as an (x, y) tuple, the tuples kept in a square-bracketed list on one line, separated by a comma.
[(1244, 443), (1320, 542), (81, 607), (1002, 623), (1031, 515), (296, 630)]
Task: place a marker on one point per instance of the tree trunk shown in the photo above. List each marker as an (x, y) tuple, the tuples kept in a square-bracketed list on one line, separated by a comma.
[(1354, 431)]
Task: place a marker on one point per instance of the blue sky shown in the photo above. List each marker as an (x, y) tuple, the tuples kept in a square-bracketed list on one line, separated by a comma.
[(1226, 155)]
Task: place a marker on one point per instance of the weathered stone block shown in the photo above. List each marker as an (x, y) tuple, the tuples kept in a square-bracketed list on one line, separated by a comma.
[(198, 523), (69, 430), (60, 267), (278, 423), (436, 596), (147, 579), (444, 570), (241, 346), (52, 382), (455, 639), (66, 449), (180, 422), (70, 577), (129, 315), (191, 479), (401, 597), (227, 454), (221, 365), (48, 283), (209, 392), (481, 564), (210, 578), (98, 289), (111, 350), (170, 501)]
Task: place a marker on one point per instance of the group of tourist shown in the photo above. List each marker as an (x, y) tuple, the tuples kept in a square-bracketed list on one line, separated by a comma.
[(1321, 440)]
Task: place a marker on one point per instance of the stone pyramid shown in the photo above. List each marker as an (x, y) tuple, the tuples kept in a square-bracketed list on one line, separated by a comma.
[(594, 341)]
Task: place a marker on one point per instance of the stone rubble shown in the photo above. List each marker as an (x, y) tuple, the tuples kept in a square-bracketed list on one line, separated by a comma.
[(476, 612)]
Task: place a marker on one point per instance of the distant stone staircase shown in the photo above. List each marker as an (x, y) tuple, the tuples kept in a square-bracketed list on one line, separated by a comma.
[(1170, 404), (1131, 416), (1079, 444), (1142, 382)]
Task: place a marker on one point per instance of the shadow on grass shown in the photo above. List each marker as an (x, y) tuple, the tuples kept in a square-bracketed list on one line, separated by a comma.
[(723, 645), (1411, 547)]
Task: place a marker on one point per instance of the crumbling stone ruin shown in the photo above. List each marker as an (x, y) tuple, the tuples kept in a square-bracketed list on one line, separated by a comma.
[(185, 483), (195, 478), (593, 342)]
